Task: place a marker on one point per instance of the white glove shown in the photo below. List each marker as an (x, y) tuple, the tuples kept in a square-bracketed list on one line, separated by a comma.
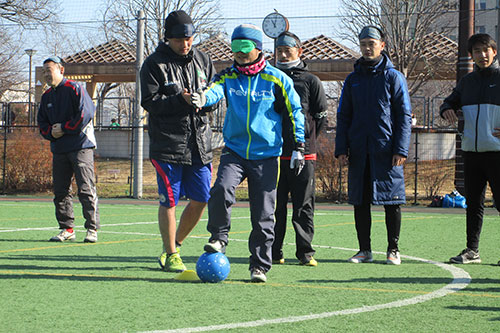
[(297, 161), (198, 99)]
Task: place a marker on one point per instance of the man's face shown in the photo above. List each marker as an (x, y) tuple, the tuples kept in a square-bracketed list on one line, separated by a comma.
[(483, 55), (288, 53), (53, 73), (246, 58), (371, 48), (181, 46)]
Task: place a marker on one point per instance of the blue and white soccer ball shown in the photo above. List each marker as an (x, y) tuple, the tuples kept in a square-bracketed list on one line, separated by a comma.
[(213, 267)]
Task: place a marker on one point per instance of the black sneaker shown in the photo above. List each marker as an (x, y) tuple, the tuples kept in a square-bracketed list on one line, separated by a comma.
[(467, 256), (215, 246), (257, 275)]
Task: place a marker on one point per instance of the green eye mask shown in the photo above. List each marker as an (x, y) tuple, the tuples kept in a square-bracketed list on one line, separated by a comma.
[(242, 45)]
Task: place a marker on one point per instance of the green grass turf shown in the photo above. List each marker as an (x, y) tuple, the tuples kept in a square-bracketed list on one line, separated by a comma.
[(116, 285)]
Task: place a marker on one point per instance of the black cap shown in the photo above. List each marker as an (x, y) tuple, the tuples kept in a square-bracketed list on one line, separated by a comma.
[(178, 24)]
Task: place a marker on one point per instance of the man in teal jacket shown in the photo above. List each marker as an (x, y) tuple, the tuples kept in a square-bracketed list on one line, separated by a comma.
[(260, 98)]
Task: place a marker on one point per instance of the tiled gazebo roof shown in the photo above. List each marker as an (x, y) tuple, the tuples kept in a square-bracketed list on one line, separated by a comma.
[(438, 45), (110, 52), (316, 48), (218, 47), (322, 48)]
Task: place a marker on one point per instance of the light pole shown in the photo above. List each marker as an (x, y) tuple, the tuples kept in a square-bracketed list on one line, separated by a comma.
[(30, 53)]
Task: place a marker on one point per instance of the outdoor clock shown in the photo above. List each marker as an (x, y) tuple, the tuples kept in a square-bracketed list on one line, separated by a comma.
[(274, 24)]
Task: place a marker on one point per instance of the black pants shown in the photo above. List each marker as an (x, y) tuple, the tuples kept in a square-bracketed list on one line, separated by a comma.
[(479, 169), (363, 218), (301, 189)]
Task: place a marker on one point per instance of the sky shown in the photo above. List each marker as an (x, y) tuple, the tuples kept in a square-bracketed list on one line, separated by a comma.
[(305, 20), (300, 14)]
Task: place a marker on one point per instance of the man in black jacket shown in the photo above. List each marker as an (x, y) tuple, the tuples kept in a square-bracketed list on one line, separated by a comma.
[(301, 184), (478, 96), (180, 135)]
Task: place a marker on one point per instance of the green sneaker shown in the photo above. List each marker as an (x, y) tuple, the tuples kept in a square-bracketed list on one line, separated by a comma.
[(163, 257), (174, 263)]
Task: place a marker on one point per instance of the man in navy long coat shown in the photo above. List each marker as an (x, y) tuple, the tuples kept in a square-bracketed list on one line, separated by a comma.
[(373, 136)]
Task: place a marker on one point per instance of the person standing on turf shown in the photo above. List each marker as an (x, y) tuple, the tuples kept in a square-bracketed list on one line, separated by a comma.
[(373, 137), (180, 135), (302, 186), (478, 96), (260, 98), (65, 118)]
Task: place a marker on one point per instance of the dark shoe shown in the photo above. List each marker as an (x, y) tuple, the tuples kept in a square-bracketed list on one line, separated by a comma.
[(279, 261), (467, 256), (361, 256), (310, 261)]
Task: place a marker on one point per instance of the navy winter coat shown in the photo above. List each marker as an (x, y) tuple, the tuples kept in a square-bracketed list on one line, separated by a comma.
[(70, 105), (374, 121)]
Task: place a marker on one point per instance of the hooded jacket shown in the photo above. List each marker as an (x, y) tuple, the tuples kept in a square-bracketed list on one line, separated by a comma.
[(257, 105), (374, 121), (478, 95), (175, 129), (70, 105), (314, 107)]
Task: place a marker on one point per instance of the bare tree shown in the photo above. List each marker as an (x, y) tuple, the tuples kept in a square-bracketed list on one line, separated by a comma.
[(408, 26), (119, 23), (27, 11), (15, 18), (119, 18)]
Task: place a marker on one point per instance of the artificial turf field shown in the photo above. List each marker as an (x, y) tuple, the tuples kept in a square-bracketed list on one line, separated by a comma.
[(116, 285)]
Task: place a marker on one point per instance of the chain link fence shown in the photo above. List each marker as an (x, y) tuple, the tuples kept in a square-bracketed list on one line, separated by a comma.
[(26, 158)]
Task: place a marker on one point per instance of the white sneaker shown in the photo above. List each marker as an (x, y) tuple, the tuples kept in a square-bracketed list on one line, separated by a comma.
[(257, 275), (91, 236), (215, 246), (393, 257), (361, 256), (63, 236)]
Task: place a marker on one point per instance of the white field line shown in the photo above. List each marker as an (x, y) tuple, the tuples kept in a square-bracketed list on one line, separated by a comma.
[(460, 280), (103, 225)]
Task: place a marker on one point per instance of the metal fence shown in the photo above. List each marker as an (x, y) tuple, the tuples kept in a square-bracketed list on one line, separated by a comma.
[(429, 169)]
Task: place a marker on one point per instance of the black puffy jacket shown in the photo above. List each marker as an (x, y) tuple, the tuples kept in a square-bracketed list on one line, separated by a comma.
[(175, 129), (314, 106)]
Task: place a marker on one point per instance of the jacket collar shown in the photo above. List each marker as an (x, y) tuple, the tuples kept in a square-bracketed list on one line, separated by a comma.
[(384, 64), (493, 68), (300, 68), (164, 48)]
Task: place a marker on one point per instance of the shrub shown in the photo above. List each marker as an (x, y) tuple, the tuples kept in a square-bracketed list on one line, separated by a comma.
[(330, 177), (28, 162)]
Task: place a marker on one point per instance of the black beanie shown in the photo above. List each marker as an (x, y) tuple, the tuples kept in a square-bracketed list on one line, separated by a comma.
[(178, 24)]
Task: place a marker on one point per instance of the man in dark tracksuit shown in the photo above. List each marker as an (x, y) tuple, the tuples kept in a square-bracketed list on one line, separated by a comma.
[(302, 186), (478, 96), (65, 119), (180, 135)]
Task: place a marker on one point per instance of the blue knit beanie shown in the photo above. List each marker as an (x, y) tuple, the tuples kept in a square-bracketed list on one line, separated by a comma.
[(250, 32)]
